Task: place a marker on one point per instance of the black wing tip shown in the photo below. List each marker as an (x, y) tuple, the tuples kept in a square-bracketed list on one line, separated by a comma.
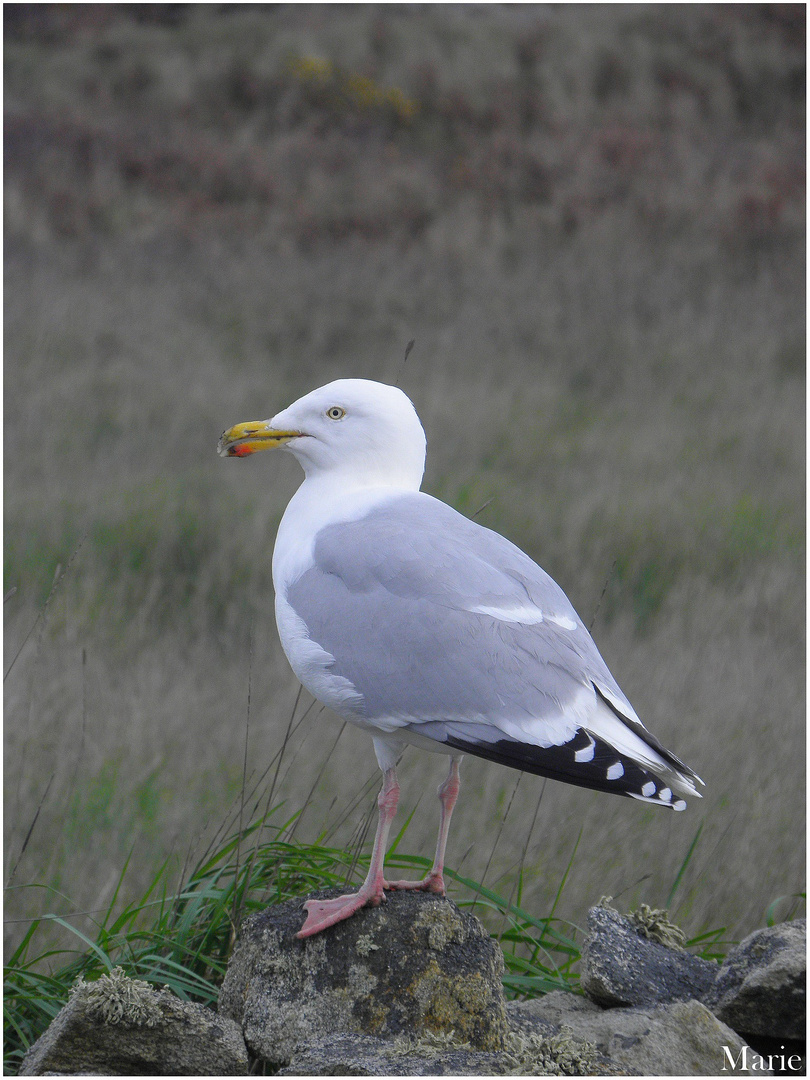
[(604, 770), (675, 763)]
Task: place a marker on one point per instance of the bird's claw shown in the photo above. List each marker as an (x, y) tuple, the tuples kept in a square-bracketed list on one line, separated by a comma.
[(432, 883), (324, 913)]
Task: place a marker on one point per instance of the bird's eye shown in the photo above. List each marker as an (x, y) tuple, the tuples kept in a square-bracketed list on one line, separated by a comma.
[(335, 412)]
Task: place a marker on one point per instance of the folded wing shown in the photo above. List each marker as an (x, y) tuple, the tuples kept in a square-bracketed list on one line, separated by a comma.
[(457, 636)]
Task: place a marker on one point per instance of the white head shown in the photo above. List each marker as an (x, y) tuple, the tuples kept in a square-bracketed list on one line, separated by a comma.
[(359, 430)]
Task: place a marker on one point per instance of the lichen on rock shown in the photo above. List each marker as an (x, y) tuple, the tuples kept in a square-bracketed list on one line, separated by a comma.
[(523, 1054), (651, 923), (625, 962), (116, 998), (118, 1026), (654, 924), (552, 1055), (414, 965), (443, 924), (366, 945)]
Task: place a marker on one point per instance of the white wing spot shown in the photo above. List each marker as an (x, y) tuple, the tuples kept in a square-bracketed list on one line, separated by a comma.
[(615, 771), (563, 621), (525, 614), (678, 804), (665, 795), (586, 753), (648, 789)]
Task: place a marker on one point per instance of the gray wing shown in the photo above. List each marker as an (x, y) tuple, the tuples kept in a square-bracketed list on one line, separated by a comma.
[(451, 631)]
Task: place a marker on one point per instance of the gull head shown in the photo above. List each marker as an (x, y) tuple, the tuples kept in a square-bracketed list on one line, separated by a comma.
[(353, 428)]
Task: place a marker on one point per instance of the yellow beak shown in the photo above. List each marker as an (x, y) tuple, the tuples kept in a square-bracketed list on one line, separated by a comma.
[(250, 437)]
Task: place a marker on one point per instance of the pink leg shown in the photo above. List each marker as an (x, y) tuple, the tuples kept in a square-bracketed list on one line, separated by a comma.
[(434, 880), (323, 913)]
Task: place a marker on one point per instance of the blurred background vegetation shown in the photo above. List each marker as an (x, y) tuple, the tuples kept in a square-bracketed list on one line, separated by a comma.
[(591, 218)]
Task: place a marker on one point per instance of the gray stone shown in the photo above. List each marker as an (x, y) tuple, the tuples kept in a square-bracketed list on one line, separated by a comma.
[(526, 1053), (621, 966), (678, 1039), (549, 1012), (415, 966), (117, 1026), (761, 986), (366, 1055)]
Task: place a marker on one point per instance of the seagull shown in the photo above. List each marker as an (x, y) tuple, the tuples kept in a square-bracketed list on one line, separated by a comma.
[(423, 627)]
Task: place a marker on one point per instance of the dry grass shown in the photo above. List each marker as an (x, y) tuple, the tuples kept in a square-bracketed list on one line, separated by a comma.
[(594, 230)]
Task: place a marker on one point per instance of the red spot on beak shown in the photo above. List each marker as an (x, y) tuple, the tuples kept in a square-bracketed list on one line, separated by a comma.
[(241, 451)]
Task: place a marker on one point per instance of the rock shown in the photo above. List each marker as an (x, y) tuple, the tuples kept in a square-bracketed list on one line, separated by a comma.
[(366, 1055), (118, 1026), (621, 967), (526, 1053), (413, 988), (678, 1039), (761, 985), (415, 966)]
